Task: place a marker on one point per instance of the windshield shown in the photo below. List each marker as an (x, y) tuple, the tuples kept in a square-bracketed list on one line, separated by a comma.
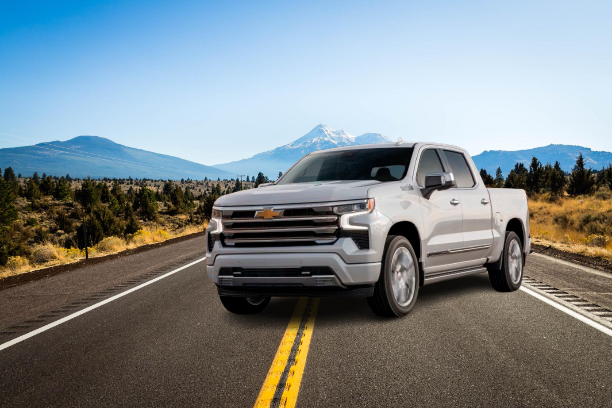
[(382, 164)]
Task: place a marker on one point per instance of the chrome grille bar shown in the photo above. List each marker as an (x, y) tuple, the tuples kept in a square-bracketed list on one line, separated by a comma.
[(294, 226), (327, 218), (318, 230)]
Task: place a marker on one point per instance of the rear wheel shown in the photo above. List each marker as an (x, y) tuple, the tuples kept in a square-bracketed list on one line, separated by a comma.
[(397, 288), (508, 276), (245, 305)]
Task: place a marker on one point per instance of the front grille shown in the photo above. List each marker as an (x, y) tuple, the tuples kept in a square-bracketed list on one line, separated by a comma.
[(292, 227)]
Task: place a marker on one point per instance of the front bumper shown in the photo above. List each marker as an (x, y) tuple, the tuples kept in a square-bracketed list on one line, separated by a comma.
[(341, 275)]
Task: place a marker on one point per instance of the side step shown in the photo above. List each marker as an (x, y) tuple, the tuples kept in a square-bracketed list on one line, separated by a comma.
[(442, 276)]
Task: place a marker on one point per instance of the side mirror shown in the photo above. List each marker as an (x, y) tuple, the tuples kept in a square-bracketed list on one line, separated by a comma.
[(437, 181)]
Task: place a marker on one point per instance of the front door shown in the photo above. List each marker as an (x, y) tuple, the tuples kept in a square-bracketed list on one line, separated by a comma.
[(442, 219)]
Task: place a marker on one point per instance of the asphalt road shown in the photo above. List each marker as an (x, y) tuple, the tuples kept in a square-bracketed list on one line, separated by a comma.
[(171, 343)]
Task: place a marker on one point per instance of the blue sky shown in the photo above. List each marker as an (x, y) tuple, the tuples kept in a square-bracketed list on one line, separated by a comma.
[(215, 82)]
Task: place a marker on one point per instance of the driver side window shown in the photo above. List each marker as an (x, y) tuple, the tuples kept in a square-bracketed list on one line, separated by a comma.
[(430, 162)]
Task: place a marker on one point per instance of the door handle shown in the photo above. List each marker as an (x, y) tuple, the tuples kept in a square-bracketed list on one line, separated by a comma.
[(454, 201), (484, 201)]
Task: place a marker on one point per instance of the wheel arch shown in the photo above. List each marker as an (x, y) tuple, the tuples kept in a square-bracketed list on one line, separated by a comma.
[(409, 231), (516, 225)]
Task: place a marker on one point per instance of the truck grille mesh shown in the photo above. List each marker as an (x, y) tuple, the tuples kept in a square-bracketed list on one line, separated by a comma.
[(280, 227)]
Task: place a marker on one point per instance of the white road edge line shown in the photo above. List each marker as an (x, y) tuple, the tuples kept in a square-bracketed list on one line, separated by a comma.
[(568, 311), (92, 307)]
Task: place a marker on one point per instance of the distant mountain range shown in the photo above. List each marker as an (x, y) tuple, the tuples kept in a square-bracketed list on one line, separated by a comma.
[(566, 155), (322, 137), (282, 158), (99, 157)]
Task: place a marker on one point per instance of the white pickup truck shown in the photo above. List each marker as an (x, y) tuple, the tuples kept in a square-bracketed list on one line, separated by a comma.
[(377, 221)]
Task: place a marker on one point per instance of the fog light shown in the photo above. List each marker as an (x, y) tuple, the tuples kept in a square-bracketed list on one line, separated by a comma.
[(225, 281)]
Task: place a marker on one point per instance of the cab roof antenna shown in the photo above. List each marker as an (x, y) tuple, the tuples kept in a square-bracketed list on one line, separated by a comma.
[(399, 142)]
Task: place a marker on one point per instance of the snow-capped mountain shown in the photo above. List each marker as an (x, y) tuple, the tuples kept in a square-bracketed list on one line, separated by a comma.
[(280, 159)]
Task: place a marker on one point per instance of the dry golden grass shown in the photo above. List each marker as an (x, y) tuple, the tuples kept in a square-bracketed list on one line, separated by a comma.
[(47, 255), (574, 224)]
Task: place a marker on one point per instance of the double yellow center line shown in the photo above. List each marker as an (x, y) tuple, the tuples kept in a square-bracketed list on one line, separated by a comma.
[(282, 384)]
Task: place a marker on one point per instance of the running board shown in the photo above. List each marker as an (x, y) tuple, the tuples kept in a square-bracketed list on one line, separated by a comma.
[(442, 276)]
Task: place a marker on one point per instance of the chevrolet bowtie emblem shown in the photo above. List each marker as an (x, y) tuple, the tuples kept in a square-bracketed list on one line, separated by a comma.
[(268, 214)]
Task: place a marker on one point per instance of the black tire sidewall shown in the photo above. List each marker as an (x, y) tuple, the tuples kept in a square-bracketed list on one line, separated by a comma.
[(395, 243), (240, 305), (511, 236)]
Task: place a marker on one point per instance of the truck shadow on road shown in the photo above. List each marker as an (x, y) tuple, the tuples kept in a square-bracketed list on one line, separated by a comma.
[(356, 310), (352, 311)]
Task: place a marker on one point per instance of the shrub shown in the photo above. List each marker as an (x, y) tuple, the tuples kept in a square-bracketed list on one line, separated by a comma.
[(64, 222), (111, 244), (140, 237), (603, 194), (161, 235), (596, 240), (563, 220), (32, 222), (44, 253), (17, 263)]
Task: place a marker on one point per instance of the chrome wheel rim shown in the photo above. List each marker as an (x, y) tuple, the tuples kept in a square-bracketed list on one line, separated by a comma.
[(515, 261), (403, 276), (256, 300)]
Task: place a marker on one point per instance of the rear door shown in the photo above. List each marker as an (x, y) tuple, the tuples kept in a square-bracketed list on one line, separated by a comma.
[(442, 218), (475, 206)]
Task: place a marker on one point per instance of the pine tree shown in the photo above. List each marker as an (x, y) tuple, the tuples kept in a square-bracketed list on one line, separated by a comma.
[(8, 212), (8, 215), (557, 180), (105, 194), (47, 187), (9, 175), (88, 195), (32, 192), (486, 178), (581, 180), (36, 178), (63, 191), (178, 200), (607, 178), (517, 178), (261, 179), (535, 177), (146, 203), (499, 178)]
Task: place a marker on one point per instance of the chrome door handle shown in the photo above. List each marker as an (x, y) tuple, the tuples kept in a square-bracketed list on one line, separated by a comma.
[(484, 201), (454, 201)]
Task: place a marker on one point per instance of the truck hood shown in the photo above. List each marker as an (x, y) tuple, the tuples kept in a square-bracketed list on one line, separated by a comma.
[(298, 193)]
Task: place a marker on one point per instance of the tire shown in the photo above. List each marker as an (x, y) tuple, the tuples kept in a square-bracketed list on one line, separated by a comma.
[(245, 305), (397, 288), (507, 277)]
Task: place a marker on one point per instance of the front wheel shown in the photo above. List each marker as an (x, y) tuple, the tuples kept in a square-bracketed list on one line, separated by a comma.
[(508, 277), (245, 305), (397, 288)]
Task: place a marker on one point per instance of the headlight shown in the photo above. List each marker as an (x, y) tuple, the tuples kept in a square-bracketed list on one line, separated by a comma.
[(367, 205), (216, 214)]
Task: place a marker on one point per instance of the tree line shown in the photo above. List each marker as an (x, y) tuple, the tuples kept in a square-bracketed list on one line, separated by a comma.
[(549, 178), (103, 206)]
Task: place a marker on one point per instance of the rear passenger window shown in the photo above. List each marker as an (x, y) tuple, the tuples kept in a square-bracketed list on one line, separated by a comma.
[(460, 169), (429, 163)]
